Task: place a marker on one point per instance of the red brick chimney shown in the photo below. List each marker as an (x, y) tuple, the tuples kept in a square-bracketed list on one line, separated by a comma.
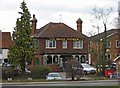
[(34, 23), (79, 25)]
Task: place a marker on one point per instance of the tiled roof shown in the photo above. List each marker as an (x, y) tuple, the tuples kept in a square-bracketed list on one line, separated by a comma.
[(6, 40), (109, 33), (53, 30)]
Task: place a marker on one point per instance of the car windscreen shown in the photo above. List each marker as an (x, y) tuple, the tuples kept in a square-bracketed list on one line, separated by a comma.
[(53, 75), (86, 66)]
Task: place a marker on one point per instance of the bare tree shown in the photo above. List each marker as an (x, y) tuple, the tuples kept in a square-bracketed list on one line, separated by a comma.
[(100, 21), (101, 17), (118, 19), (74, 69), (116, 22)]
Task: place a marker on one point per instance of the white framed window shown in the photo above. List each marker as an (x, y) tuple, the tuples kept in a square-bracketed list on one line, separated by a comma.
[(0, 51), (108, 57), (117, 43), (50, 43), (64, 44), (55, 59), (118, 54), (36, 43), (77, 44), (108, 44)]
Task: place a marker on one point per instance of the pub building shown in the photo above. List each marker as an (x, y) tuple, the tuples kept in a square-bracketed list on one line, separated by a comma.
[(57, 43)]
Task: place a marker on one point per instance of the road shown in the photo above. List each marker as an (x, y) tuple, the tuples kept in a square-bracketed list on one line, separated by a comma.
[(66, 83)]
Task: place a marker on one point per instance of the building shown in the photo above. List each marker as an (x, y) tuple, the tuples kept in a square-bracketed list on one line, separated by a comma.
[(57, 43), (5, 42), (113, 46), (117, 61)]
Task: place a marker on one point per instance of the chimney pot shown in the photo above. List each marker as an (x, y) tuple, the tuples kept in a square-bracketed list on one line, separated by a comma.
[(79, 25), (34, 23)]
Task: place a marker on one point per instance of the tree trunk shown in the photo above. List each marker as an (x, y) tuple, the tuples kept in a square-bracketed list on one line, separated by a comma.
[(72, 77)]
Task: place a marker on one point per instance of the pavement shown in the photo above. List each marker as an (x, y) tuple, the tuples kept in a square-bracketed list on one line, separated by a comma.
[(55, 82), (85, 77), (87, 80), (65, 78)]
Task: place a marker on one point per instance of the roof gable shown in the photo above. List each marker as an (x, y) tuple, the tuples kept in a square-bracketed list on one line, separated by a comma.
[(52, 30)]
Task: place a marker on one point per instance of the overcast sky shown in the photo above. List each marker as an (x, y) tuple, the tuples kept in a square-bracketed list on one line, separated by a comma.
[(50, 10)]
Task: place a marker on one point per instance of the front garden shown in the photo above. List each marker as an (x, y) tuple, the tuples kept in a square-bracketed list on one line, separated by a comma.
[(13, 74)]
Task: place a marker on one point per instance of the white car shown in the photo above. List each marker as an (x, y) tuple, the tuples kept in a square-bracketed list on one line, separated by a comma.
[(88, 69), (54, 76), (27, 70)]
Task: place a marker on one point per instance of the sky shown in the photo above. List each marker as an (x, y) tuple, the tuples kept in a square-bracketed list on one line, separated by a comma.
[(65, 11)]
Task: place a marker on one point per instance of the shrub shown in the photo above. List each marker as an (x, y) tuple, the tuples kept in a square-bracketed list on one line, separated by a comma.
[(40, 72), (74, 69), (9, 72)]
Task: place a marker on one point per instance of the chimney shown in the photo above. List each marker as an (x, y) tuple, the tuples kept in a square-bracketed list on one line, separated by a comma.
[(79, 25), (34, 21)]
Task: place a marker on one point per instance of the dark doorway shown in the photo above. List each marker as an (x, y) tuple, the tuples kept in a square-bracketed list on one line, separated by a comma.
[(65, 59)]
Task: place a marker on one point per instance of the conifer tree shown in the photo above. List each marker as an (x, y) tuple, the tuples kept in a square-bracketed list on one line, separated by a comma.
[(22, 49)]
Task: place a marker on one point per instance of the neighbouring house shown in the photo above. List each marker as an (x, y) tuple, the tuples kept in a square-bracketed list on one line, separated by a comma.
[(57, 43), (112, 45), (117, 61), (5, 42)]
